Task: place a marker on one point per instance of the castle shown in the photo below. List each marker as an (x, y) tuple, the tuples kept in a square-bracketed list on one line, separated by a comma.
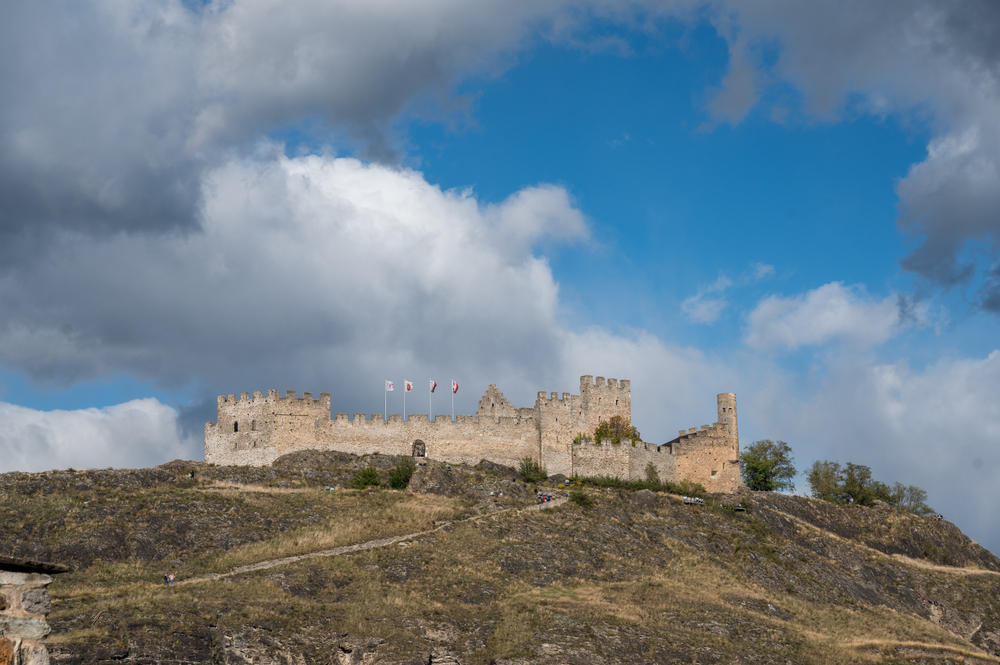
[(557, 431)]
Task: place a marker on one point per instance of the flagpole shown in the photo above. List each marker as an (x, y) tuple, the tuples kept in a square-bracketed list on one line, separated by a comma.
[(452, 399), (385, 403), (404, 398), (430, 405)]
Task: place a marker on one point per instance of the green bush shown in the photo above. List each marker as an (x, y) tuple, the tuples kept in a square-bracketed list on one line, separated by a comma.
[(684, 487), (532, 471), (767, 466), (652, 475), (616, 430), (581, 498), (399, 475), (366, 477)]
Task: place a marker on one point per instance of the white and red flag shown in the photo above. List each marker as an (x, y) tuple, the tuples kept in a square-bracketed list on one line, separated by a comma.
[(408, 385), (388, 386), (433, 384), (454, 387)]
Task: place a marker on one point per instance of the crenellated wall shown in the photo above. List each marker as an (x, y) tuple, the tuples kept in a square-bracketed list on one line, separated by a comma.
[(257, 429), (710, 455)]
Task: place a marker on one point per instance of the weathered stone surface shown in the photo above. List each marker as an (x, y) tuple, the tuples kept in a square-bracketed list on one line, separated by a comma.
[(32, 579), (6, 651), (36, 601), (31, 629), (34, 654)]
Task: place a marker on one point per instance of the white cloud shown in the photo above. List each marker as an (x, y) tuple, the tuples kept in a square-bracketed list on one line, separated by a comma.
[(139, 433), (830, 313), (702, 308), (708, 302), (706, 305), (761, 271), (307, 270), (113, 111)]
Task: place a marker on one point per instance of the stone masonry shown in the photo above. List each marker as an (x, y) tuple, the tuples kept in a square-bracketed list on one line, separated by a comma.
[(24, 603), (257, 429)]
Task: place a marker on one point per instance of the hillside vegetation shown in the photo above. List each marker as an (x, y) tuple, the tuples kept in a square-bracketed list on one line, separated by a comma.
[(285, 565)]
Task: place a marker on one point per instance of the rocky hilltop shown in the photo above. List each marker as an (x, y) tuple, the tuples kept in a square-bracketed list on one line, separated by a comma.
[(283, 565)]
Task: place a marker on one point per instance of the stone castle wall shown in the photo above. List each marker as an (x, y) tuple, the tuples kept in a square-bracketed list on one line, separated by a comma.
[(257, 429), (24, 604)]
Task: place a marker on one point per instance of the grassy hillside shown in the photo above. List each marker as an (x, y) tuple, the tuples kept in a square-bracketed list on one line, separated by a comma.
[(454, 570)]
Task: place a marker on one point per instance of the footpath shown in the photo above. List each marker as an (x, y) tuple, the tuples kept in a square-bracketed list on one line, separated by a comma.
[(361, 547)]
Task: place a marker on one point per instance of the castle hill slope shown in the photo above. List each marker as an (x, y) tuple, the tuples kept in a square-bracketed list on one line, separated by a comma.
[(283, 565)]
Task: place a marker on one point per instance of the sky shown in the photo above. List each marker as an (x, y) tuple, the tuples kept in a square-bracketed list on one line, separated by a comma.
[(795, 202)]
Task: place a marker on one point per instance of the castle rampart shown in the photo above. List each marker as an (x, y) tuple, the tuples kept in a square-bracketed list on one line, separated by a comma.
[(257, 429)]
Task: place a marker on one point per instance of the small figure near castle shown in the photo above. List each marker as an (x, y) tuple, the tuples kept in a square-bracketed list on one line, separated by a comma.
[(557, 431)]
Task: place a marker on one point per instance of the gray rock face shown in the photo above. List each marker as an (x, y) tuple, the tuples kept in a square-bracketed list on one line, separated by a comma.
[(29, 629), (644, 499), (36, 601)]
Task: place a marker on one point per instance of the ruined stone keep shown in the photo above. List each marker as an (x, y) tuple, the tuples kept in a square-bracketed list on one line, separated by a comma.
[(257, 429)]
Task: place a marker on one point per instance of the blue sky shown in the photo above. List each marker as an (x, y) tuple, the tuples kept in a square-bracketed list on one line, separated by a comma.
[(795, 202)]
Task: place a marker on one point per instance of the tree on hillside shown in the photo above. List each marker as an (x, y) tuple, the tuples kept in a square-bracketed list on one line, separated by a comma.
[(767, 466), (912, 498), (853, 483), (825, 481)]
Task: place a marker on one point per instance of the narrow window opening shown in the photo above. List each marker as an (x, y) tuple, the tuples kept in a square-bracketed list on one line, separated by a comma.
[(253, 425), (713, 472), (236, 426)]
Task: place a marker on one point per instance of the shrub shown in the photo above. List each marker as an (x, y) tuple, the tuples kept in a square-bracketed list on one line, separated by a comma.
[(366, 477), (399, 475), (532, 471), (616, 430), (581, 498), (687, 488), (652, 475), (684, 487)]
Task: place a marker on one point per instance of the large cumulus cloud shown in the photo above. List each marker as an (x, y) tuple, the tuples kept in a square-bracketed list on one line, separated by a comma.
[(138, 433), (301, 270), (113, 110)]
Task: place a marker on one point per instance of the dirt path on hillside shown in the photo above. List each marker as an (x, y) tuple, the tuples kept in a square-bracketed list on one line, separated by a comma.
[(929, 649), (361, 547), (901, 558)]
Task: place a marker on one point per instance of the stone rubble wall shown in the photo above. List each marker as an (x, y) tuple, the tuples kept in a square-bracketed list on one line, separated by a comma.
[(659, 456), (24, 603), (709, 456)]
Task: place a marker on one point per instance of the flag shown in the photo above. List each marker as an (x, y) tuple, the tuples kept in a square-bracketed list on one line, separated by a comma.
[(408, 385), (388, 386), (454, 387), (433, 384)]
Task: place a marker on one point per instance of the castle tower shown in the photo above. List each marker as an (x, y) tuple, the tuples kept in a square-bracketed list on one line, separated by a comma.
[(727, 413)]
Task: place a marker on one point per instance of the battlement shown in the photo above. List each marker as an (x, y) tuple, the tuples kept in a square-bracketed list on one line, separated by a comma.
[(590, 384), (272, 396)]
